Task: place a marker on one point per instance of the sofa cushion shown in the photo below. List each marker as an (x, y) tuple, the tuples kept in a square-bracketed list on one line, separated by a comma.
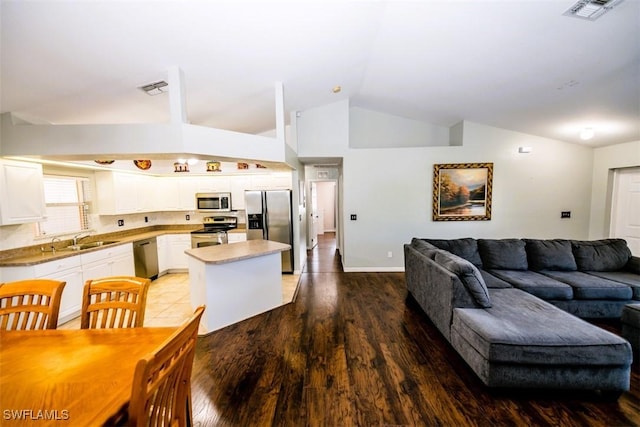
[(424, 248), (536, 284), (631, 315), (628, 278), (522, 329), (553, 254), (586, 286), (492, 281), (601, 255), (468, 275), (503, 254), (466, 248)]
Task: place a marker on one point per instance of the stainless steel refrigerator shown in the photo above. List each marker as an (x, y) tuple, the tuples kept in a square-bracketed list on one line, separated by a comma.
[(269, 217)]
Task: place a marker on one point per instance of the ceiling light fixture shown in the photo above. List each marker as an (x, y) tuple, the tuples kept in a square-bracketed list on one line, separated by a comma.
[(156, 88), (591, 9), (587, 133), (336, 89)]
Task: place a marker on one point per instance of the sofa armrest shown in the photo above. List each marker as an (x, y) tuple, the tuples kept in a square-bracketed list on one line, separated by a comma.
[(633, 265), (435, 289)]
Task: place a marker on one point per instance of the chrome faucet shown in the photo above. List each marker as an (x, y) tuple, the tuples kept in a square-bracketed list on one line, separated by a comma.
[(78, 237), (53, 248)]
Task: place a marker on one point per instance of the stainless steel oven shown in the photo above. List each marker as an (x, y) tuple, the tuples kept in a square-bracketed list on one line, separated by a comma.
[(201, 239), (214, 231)]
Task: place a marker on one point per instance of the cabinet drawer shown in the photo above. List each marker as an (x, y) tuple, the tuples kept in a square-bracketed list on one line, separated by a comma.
[(49, 268), (107, 253)]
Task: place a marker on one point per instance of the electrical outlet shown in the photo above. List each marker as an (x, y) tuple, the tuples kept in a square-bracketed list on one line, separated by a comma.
[(389, 254), (146, 219), (354, 217), (120, 222), (565, 214), (187, 217)]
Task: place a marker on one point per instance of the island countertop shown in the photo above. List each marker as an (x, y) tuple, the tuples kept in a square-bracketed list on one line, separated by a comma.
[(221, 254)]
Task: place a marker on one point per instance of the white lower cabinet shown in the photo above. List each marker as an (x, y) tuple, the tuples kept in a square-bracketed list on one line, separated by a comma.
[(176, 245), (115, 261), (76, 270), (236, 237), (163, 253), (67, 270)]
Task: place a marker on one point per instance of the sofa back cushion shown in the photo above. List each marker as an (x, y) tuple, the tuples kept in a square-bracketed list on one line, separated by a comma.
[(503, 254), (424, 248), (468, 275), (553, 254), (601, 255), (466, 248)]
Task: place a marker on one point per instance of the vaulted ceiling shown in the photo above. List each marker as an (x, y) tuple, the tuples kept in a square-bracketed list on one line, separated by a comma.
[(518, 65)]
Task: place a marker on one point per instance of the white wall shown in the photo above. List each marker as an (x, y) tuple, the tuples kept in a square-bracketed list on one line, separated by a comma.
[(390, 189), (371, 129), (606, 159), (324, 131)]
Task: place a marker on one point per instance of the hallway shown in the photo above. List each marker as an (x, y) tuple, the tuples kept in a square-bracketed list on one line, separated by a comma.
[(324, 258)]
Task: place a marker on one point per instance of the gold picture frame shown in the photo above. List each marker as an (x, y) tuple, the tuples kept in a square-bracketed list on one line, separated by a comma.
[(462, 191)]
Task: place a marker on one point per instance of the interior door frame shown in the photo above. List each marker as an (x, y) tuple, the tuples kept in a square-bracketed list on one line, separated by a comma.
[(617, 202)]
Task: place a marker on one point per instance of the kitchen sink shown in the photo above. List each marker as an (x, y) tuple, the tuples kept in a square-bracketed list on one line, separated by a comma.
[(91, 245)]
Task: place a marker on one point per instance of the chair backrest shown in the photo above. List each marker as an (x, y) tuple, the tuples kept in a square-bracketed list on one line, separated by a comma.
[(114, 302), (30, 304), (161, 391)]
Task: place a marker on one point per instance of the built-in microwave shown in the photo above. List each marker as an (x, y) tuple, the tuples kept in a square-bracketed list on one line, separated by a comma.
[(213, 202)]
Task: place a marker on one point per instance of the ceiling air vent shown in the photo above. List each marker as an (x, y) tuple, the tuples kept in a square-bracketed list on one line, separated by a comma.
[(591, 9), (156, 88)]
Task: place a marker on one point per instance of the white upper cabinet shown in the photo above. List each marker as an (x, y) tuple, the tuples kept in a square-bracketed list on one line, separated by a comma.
[(214, 184), (238, 186), (115, 193), (124, 193), (178, 193), (21, 192), (277, 181), (187, 189)]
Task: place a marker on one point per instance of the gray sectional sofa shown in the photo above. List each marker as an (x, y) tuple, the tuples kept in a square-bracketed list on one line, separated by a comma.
[(511, 307)]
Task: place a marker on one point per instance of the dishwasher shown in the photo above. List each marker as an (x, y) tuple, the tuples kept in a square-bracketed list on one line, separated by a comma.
[(145, 256)]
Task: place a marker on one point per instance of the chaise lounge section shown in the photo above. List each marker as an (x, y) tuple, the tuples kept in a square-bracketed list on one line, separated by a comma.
[(497, 318)]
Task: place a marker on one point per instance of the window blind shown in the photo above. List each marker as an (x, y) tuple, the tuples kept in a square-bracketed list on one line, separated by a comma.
[(66, 207)]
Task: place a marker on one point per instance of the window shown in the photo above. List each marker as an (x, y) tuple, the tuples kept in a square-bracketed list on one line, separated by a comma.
[(67, 207)]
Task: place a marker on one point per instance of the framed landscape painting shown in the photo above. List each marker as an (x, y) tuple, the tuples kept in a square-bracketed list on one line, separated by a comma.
[(462, 191)]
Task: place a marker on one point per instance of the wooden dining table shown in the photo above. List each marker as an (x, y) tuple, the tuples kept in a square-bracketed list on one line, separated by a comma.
[(70, 377)]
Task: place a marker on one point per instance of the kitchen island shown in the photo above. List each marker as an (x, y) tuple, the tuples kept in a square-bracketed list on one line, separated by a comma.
[(235, 281)]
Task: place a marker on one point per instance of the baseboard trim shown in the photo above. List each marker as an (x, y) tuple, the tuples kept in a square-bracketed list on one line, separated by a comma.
[(373, 269)]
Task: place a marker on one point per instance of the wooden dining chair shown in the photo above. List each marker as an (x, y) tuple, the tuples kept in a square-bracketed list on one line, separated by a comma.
[(114, 302), (30, 304), (161, 391)]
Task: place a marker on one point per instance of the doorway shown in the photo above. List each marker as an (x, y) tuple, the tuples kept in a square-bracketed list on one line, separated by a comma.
[(625, 207), (323, 216)]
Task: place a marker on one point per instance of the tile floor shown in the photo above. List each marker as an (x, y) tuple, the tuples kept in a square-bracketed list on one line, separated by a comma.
[(168, 300)]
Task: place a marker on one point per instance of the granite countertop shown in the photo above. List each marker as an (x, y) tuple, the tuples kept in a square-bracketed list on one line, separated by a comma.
[(32, 255), (221, 254)]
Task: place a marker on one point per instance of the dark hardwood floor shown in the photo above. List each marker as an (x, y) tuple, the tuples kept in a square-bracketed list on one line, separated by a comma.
[(352, 350)]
